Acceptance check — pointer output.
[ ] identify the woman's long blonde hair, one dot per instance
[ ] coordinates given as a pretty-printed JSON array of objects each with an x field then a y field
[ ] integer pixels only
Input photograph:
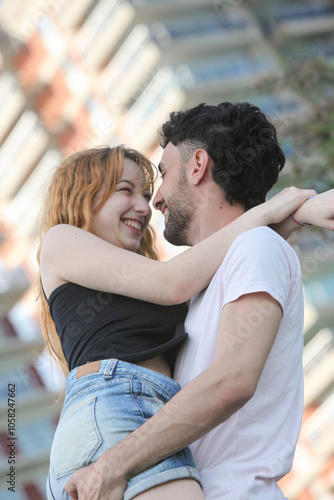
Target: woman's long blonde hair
[{"x": 69, "y": 200}]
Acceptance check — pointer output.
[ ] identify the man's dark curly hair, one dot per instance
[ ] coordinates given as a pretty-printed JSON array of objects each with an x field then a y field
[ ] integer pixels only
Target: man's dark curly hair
[{"x": 241, "y": 142}]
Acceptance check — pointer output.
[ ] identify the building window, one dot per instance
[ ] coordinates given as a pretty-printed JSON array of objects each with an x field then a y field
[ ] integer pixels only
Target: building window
[
  {"x": 317, "y": 348},
  {"x": 19, "y": 495},
  {"x": 20, "y": 151},
  {"x": 203, "y": 23},
  {"x": 35, "y": 438},
  {"x": 239, "y": 65},
  {"x": 95, "y": 24},
  {"x": 321, "y": 423},
  {"x": 23, "y": 210},
  {"x": 298, "y": 11},
  {"x": 320, "y": 292},
  {"x": 12, "y": 101},
  {"x": 24, "y": 379},
  {"x": 311, "y": 47}
]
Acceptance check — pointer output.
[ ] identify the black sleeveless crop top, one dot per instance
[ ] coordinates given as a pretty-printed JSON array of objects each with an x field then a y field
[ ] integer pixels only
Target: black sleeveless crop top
[{"x": 95, "y": 325}]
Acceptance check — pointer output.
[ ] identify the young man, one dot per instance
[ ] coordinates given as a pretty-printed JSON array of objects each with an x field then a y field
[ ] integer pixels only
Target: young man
[{"x": 241, "y": 370}]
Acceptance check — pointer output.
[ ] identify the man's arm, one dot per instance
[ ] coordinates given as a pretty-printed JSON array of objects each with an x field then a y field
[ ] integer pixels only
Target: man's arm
[{"x": 205, "y": 402}]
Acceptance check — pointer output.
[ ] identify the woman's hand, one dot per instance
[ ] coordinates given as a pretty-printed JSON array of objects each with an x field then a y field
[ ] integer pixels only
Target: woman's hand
[
  {"x": 285, "y": 203},
  {"x": 318, "y": 211}
]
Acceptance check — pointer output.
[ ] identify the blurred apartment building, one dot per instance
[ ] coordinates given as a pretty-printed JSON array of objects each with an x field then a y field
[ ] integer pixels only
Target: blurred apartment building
[
  {"x": 79, "y": 74},
  {"x": 28, "y": 414}
]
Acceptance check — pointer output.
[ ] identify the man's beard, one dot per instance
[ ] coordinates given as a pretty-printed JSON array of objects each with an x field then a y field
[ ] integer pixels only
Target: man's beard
[{"x": 180, "y": 208}]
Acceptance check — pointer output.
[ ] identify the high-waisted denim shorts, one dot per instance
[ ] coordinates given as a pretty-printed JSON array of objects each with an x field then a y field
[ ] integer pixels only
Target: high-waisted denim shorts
[{"x": 99, "y": 410}]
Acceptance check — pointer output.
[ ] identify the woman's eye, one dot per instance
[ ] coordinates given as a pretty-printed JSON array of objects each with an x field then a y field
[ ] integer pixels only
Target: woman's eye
[{"x": 125, "y": 189}]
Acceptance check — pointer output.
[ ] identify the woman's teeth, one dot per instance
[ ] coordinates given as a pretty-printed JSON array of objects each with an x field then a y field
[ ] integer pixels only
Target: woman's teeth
[{"x": 134, "y": 224}]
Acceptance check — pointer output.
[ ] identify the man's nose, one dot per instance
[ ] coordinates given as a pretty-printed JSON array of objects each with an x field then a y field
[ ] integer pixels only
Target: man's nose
[{"x": 157, "y": 200}]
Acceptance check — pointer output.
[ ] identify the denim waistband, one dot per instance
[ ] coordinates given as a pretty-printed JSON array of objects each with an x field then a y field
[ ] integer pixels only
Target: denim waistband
[{"x": 113, "y": 368}]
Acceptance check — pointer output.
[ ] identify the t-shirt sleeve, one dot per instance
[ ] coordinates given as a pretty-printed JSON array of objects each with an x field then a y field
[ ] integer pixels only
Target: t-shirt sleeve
[{"x": 258, "y": 261}]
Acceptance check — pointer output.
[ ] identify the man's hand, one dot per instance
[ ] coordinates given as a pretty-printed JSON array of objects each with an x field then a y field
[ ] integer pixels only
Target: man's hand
[{"x": 93, "y": 483}]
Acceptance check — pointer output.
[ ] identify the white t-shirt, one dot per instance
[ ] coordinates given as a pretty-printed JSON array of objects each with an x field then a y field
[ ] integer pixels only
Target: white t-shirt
[{"x": 242, "y": 458}]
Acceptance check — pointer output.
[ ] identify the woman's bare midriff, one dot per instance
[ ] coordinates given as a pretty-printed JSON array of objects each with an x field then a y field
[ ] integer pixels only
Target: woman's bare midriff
[{"x": 158, "y": 364}]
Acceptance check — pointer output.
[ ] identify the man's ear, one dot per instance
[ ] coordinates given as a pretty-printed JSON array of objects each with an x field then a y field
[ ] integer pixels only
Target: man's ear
[{"x": 201, "y": 162}]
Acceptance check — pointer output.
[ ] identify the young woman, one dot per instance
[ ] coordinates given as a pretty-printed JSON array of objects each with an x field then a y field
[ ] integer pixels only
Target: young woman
[{"x": 112, "y": 314}]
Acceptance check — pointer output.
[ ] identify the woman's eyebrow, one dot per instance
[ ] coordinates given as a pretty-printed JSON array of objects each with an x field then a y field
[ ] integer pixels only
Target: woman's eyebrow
[{"x": 128, "y": 182}]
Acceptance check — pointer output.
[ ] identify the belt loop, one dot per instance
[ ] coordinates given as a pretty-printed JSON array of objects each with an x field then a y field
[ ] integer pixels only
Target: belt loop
[{"x": 111, "y": 365}]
